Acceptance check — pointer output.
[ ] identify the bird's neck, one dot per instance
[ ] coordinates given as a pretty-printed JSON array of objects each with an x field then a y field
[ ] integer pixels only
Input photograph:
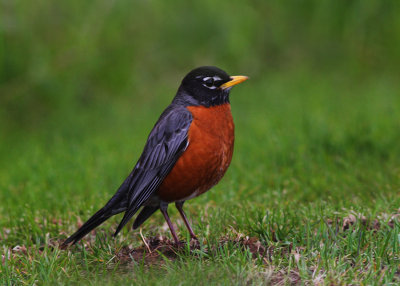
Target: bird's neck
[{"x": 185, "y": 98}]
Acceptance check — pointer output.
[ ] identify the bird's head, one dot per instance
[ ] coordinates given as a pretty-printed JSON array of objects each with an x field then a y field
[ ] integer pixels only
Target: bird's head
[{"x": 207, "y": 86}]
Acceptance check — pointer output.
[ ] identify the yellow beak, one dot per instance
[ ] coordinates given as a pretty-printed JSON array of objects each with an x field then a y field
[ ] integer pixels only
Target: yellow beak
[{"x": 234, "y": 80}]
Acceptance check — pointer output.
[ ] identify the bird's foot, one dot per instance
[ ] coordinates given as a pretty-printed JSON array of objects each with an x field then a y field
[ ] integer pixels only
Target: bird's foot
[{"x": 180, "y": 244}]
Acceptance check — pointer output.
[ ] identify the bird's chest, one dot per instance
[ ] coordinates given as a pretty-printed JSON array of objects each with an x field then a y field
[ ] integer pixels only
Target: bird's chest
[
  {"x": 211, "y": 137},
  {"x": 207, "y": 157}
]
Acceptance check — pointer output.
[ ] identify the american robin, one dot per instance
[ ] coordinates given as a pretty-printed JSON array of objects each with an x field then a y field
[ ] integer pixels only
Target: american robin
[{"x": 187, "y": 152}]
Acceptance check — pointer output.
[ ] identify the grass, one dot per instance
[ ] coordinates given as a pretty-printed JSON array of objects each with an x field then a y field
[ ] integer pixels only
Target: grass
[
  {"x": 312, "y": 194},
  {"x": 314, "y": 183}
]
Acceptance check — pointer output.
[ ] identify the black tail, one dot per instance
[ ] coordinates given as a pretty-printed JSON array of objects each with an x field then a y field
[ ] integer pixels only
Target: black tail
[
  {"x": 97, "y": 219},
  {"x": 115, "y": 205},
  {"x": 144, "y": 215}
]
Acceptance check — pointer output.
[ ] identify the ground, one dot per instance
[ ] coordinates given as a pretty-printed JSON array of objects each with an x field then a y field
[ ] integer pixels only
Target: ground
[{"x": 311, "y": 197}]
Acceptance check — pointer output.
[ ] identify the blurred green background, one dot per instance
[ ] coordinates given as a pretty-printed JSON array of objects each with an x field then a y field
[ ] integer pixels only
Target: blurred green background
[
  {"x": 55, "y": 57},
  {"x": 82, "y": 83},
  {"x": 317, "y": 132}
]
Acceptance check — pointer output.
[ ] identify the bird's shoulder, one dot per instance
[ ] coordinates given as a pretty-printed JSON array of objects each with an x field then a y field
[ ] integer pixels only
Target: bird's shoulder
[
  {"x": 167, "y": 138},
  {"x": 174, "y": 120}
]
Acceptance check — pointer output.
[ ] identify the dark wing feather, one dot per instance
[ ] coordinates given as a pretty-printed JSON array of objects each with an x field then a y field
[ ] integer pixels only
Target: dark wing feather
[
  {"x": 144, "y": 214},
  {"x": 165, "y": 144}
]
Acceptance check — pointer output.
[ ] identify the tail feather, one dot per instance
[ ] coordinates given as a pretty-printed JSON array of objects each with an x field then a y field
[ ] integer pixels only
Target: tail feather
[
  {"x": 127, "y": 216},
  {"x": 115, "y": 205},
  {"x": 145, "y": 213},
  {"x": 97, "y": 219}
]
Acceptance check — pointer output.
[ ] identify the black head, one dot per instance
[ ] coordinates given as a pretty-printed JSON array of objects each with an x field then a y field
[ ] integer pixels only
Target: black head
[{"x": 207, "y": 86}]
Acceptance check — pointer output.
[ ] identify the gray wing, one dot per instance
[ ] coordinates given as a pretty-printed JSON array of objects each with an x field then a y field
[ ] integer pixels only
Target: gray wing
[{"x": 166, "y": 143}]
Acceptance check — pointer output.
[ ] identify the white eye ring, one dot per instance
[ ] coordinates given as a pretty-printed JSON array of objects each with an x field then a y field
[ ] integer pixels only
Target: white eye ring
[
  {"x": 209, "y": 82},
  {"x": 214, "y": 79}
]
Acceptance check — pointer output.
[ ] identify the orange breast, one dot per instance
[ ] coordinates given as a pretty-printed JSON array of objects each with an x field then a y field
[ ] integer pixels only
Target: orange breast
[{"x": 206, "y": 159}]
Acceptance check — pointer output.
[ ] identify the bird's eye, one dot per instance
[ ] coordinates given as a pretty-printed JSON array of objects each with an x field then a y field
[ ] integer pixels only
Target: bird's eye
[{"x": 208, "y": 82}]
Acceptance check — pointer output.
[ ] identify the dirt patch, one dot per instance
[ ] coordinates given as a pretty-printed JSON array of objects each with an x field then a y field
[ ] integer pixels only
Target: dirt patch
[
  {"x": 370, "y": 224},
  {"x": 157, "y": 249},
  {"x": 283, "y": 277}
]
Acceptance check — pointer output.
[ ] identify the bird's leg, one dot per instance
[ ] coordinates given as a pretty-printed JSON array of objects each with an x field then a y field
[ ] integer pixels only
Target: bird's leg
[
  {"x": 179, "y": 206},
  {"x": 163, "y": 208}
]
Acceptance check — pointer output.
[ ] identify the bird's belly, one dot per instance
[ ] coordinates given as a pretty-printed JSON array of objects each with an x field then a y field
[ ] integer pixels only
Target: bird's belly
[{"x": 207, "y": 157}]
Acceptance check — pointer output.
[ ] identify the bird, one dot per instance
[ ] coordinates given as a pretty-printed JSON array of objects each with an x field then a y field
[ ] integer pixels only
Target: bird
[{"x": 187, "y": 152}]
